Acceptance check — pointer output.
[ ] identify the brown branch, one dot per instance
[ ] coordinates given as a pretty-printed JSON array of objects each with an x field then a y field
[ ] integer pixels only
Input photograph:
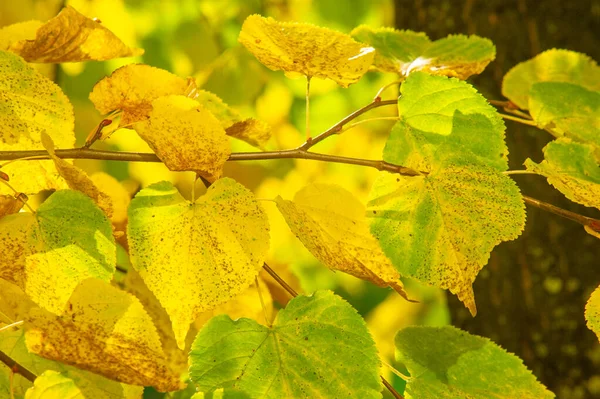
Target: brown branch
[
  {"x": 592, "y": 223},
  {"x": 279, "y": 280},
  {"x": 16, "y": 367},
  {"x": 390, "y": 388}
]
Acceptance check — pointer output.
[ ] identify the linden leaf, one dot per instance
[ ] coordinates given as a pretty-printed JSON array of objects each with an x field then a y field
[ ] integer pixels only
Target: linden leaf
[
  {"x": 298, "y": 48},
  {"x": 592, "y": 312},
  {"x": 572, "y": 169},
  {"x": 331, "y": 224},
  {"x": 440, "y": 227},
  {"x": 567, "y": 109},
  {"x": 29, "y": 105},
  {"x": 68, "y": 37},
  {"x": 404, "y": 51},
  {"x": 118, "y": 195},
  {"x": 9, "y": 205},
  {"x": 106, "y": 331},
  {"x": 92, "y": 386},
  {"x": 550, "y": 66},
  {"x": 185, "y": 136},
  {"x": 48, "y": 253},
  {"x": 77, "y": 179},
  {"x": 18, "y": 32},
  {"x": 132, "y": 88},
  {"x": 318, "y": 347},
  {"x": 448, "y": 363},
  {"x": 52, "y": 384},
  {"x": 195, "y": 256},
  {"x": 250, "y": 130}
]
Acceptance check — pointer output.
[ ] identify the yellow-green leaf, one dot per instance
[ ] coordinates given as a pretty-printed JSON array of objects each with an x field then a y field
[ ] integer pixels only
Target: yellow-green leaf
[
  {"x": 68, "y": 37},
  {"x": 53, "y": 385},
  {"x": 331, "y": 224},
  {"x": 592, "y": 312},
  {"x": 299, "y": 48},
  {"x": 106, "y": 331},
  {"x": 572, "y": 168},
  {"x": 132, "y": 88},
  {"x": 550, "y": 66},
  {"x": 195, "y": 256},
  {"x": 48, "y": 253},
  {"x": 185, "y": 136},
  {"x": 29, "y": 105},
  {"x": 405, "y": 51}
]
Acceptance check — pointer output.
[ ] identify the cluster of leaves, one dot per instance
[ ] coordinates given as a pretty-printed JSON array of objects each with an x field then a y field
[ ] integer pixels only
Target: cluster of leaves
[{"x": 195, "y": 259}]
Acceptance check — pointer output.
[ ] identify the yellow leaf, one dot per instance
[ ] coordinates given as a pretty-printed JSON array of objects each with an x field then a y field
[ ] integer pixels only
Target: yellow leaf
[
  {"x": 196, "y": 256},
  {"x": 185, "y": 136},
  {"x": 298, "y": 48},
  {"x": 77, "y": 179},
  {"x": 106, "y": 331},
  {"x": 17, "y": 32},
  {"x": 132, "y": 89},
  {"x": 247, "y": 304},
  {"x": 9, "y": 205},
  {"x": 14, "y": 303},
  {"x": 29, "y": 105},
  {"x": 331, "y": 223},
  {"x": 119, "y": 197},
  {"x": 69, "y": 37}
]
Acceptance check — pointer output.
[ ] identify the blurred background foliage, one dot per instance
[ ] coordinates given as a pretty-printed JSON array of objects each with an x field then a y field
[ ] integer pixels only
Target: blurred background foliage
[{"x": 199, "y": 38}]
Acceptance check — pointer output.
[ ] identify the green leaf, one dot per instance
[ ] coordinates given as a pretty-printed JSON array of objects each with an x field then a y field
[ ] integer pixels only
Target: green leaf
[
  {"x": 318, "y": 347},
  {"x": 50, "y": 252},
  {"x": 567, "y": 109},
  {"x": 592, "y": 312},
  {"x": 195, "y": 256},
  {"x": 53, "y": 385},
  {"x": 448, "y": 363},
  {"x": 31, "y": 104},
  {"x": 550, "y": 66},
  {"x": 405, "y": 51},
  {"x": 572, "y": 169},
  {"x": 440, "y": 227}
]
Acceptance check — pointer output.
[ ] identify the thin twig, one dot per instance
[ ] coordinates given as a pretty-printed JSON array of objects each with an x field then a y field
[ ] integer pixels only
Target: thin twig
[
  {"x": 279, "y": 280},
  {"x": 11, "y": 325},
  {"x": 380, "y": 91},
  {"x": 16, "y": 367},
  {"x": 592, "y": 223},
  {"x": 519, "y": 172},
  {"x": 520, "y": 120},
  {"x": 390, "y": 388}
]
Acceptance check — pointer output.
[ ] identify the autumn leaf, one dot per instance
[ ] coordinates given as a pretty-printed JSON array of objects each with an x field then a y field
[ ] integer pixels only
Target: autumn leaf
[
  {"x": 106, "y": 331},
  {"x": 29, "y": 105},
  {"x": 331, "y": 224},
  {"x": 52, "y": 384},
  {"x": 68, "y": 37},
  {"x": 298, "y": 48},
  {"x": 318, "y": 347},
  {"x": 572, "y": 168},
  {"x": 196, "y": 256},
  {"x": 119, "y": 197},
  {"x": 592, "y": 312},
  {"x": 9, "y": 205},
  {"x": 132, "y": 89},
  {"x": 550, "y": 66},
  {"x": 445, "y": 362},
  {"x": 77, "y": 179},
  {"x": 48, "y": 253},
  {"x": 405, "y": 51},
  {"x": 185, "y": 136}
]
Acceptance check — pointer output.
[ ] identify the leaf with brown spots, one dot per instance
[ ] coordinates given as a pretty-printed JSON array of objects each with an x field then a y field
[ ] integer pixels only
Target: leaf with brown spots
[
  {"x": 331, "y": 224},
  {"x": 196, "y": 256},
  {"x": 68, "y": 37},
  {"x": 299, "y": 48},
  {"x": 106, "y": 331},
  {"x": 132, "y": 88},
  {"x": 9, "y": 205},
  {"x": 31, "y": 104},
  {"x": 185, "y": 136},
  {"x": 48, "y": 253}
]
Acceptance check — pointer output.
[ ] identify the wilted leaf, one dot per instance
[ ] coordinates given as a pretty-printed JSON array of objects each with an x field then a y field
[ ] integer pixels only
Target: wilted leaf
[
  {"x": 250, "y": 130},
  {"x": 9, "y": 205},
  {"x": 550, "y": 66},
  {"x": 572, "y": 169},
  {"x": 318, "y": 347},
  {"x": 447, "y": 363},
  {"x": 77, "y": 179},
  {"x": 106, "y": 331},
  {"x": 298, "y": 48},
  {"x": 29, "y": 105},
  {"x": 195, "y": 256},
  {"x": 48, "y": 253},
  {"x": 331, "y": 224},
  {"x": 132, "y": 89},
  {"x": 567, "y": 109},
  {"x": 185, "y": 136},
  {"x": 404, "y": 51},
  {"x": 68, "y": 37},
  {"x": 440, "y": 227}
]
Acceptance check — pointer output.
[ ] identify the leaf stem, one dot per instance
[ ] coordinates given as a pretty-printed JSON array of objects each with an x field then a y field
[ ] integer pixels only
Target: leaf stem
[
  {"x": 16, "y": 367},
  {"x": 262, "y": 303},
  {"x": 308, "y": 109},
  {"x": 15, "y": 324},
  {"x": 383, "y": 88},
  {"x": 280, "y": 281},
  {"x": 519, "y": 172},
  {"x": 520, "y": 120},
  {"x": 390, "y": 388},
  {"x": 591, "y": 223}
]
